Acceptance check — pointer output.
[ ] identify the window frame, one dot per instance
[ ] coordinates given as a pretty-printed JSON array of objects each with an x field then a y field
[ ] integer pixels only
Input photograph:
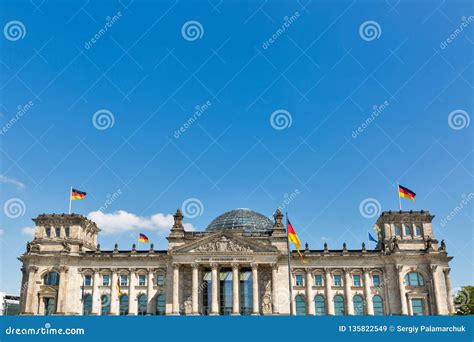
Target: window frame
[
  {"x": 108, "y": 279},
  {"x": 422, "y": 306},
  {"x": 359, "y": 305},
  {"x": 339, "y": 276},
  {"x": 339, "y": 306},
  {"x": 320, "y": 276},
  {"x": 374, "y": 283},
  {"x": 142, "y": 276},
  {"x": 56, "y": 230},
  {"x": 158, "y": 277},
  {"x": 142, "y": 306},
  {"x": 318, "y": 305},
  {"x": 378, "y": 310},
  {"x": 87, "y": 305},
  {"x": 121, "y": 279},
  {"x": 160, "y": 302},
  {"x": 300, "y": 305},
  {"x": 359, "y": 277},
  {"x": 299, "y": 282}
]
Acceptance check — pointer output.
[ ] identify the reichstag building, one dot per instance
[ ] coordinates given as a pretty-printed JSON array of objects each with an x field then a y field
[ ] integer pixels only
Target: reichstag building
[{"x": 237, "y": 266}]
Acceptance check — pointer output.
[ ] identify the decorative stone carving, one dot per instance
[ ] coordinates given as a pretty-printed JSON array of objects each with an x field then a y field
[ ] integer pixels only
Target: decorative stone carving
[
  {"x": 223, "y": 244},
  {"x": 267, "y": 304}
]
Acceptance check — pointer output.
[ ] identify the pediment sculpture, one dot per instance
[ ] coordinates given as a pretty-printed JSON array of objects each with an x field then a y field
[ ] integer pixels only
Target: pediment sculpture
[{"x": 223, "y": 244}]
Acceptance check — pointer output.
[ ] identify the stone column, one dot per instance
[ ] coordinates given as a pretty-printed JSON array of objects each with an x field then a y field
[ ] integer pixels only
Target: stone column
[
  {"x": 401, "y": 285},
  {"x": 436, "y": 289},
  {"x": 215, "y": 284},
  {"x": 367, "y": 293},
  {"x": 235, "y": 289},
  {"x": 195, "y": 287},
  {"x": 255, "y": 310},
  {"x": 62, "y": 290},
  {"x": 328, "y": 292},
  {"x": 347, "y": 292},
  {"x": 95, "y": 293},
  {"x": 309, "y": 293},
  {"x": 274, "y": 289},
  {"x": 149, "y": 292},
  {"x": 132, "y": 297},
  {"x": 31, "y": 295},
  {"x": 114, "y": 310},
  {"x": 175, "y": 289},
  {"x": 447, "y": 279}
]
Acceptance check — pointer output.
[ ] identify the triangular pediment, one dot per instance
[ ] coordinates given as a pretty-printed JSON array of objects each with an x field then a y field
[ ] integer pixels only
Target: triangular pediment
[{"x": 224, "y": 242}]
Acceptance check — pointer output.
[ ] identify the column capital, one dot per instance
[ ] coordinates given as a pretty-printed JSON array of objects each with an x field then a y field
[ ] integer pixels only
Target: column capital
[
  {"x": 176, "y": 265},
  {"x": 235, "y": 266},
  {"x": 447, "y": 270},
  {"x": 32, "y": 269},
  {"x": 274, "y": 267},
  {"x": 347, "y": 270},
  {"x": 214, "y": 266},
  {"x": 63, "y": 269},
  {"x": 327, "y": 270},
  {"x": 254, "y": 266},
  {"x": 195, "y": 265},
  {"x": 151, "y": 270},
  {"x": 399, "y": 268}
]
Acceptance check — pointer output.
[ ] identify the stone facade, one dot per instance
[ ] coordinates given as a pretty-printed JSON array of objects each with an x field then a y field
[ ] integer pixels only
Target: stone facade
[{"x": 65, "y": 272}]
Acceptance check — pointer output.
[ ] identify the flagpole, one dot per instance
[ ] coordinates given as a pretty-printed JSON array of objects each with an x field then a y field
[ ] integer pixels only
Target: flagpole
[
  {"x": 399, "y": 199},
  {"x": 290, "y": 293},
  {"x": 70, "y": 199}
]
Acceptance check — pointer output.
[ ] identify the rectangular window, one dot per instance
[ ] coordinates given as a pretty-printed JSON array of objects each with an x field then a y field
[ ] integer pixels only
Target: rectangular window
[
  {"x": 48, "y": 232},
  {"x": 58, "y": 232},
  {"x": 356, "y": 278},
  {"x": 376, "y": 280},
  {"x": 318, "y": 280},
  {"x": 87, "y": 280},
  {"x": 299, "y": 280},
  {"x": 66, "y": 231},
  {"x": 160, "y": 280},
  {"x": 417, "y": 307},
  {"x": 105, "y": 280},
  {"x": 141, "y": 280},
  {"x": 337, "y": 280},
  {"x": 123, "y": 280}
]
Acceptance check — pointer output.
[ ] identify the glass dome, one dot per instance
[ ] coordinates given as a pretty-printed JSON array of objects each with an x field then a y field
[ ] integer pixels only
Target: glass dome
[{"x": 245, "y": 219}]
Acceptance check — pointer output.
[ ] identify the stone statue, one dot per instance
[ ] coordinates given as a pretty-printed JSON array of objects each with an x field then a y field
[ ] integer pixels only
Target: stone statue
[{"x": 443, "y": 246}]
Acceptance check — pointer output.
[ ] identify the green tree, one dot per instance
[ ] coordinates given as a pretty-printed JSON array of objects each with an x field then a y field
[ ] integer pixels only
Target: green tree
[{"x": 464, "y": 301}]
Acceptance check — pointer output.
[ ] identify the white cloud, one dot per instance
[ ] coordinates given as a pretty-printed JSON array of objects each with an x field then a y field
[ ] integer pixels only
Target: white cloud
[
  {"x": 19, "y": 185},
  {"x": 1, "y": 232},
  {"x": 28, "y": 231},
  {"x": 122, "y": 221}
]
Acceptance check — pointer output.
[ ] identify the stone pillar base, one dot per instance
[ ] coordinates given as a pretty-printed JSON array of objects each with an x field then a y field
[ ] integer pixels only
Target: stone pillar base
[
  {"x": 235, "y": 314},
  {"x": 214, "y": 314}
]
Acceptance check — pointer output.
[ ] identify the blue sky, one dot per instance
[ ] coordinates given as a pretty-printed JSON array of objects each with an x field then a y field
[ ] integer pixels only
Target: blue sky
[{"x": 321, "y": 71}]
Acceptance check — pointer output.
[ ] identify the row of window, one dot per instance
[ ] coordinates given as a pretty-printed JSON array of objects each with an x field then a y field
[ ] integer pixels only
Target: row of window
[
  {"x": 339, "y": 305},
  {"x": 336, "y": 280},
  {"x": 142, "y": 303},
  {"x": 57, "y": 232},
  {"x": 124, "y": 280},
  {"x": 408, "y": 230}
]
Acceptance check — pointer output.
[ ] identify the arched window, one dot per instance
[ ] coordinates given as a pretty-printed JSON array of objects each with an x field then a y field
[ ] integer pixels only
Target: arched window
[
  {"x": 300, "y": 305},
  {"x": 123, "y": 305},
  {"x": 418, "y": 231},
  {"x": 160, "y": 304},
  {"x": 398, "y": 231},
  {"x": 339, "y": 305},
  {"x": 358, "y": 302},
  {"x": 51, "y": 278},
  {"x": 414, "y": 279},
  {"x": 87, "y": 305},
  {"x": 320, "y": 305},
  {"x": 142, "y": 304},
  {"x": 378, "y": 305},
  {"x": 105, "y": 305},
  {"x": 407, "y": 230}
]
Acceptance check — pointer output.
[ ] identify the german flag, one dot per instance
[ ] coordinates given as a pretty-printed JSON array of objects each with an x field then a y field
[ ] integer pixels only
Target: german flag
[
  {"x": 77, "y": 195},
  {"x": 292, "y": 237},
  {"x": 143, "y": 238},
  {"x": 406, "y": 193}
]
